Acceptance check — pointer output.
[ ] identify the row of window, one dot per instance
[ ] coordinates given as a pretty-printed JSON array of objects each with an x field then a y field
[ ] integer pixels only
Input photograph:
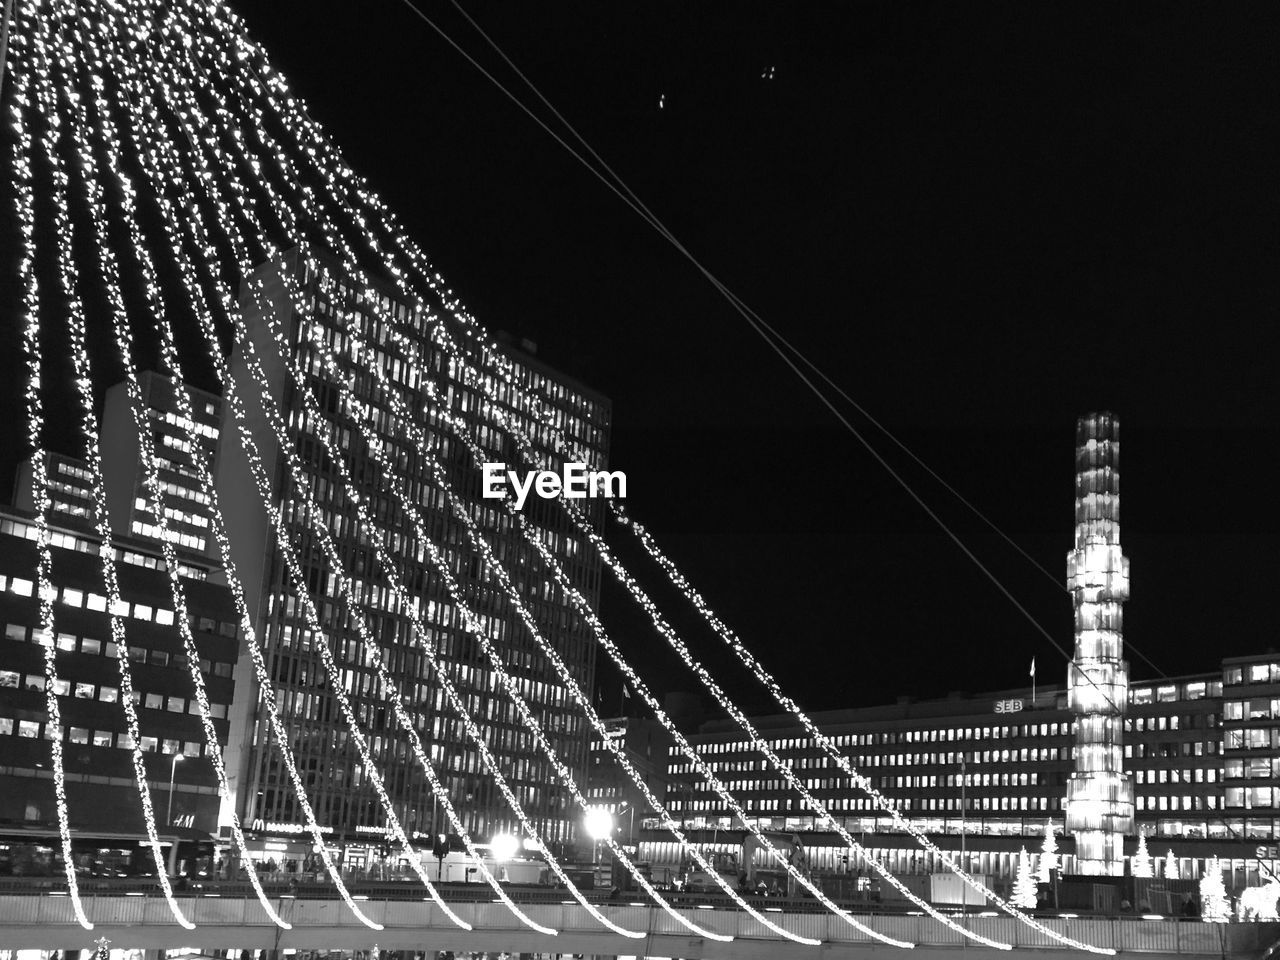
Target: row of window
[
  {"x": 71, "y": 643},
  {"x": 1252, "y": 673},
  {"x": 34, "y": 730},
  {"x": 69, "y": 541},
  {"x": 34, "y": 682},
  {"x": 1265, "y": 708}
]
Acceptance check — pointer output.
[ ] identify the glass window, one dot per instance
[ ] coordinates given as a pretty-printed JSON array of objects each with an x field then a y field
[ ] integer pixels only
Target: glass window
[
  {"x": 6, "y": 726},
  {"x": 79, "y": 735},
  {"x": 84, "y": 691},
  {"x": 67, "y": 641},
  {"x": 148, "y": 744},
  {"x": 154, "y": 702},
  {"x": 176, "y": 705},
  {"x": 102, "y": 738},
  {"x": 90, "y": 645},
  {"x": 108, "y": 694},
  {"x": 171, "y": 746},
  {"x": 15, "y": 631},
  {"x": 8, "y": 678},
  {"x": 28, "y": 729}
]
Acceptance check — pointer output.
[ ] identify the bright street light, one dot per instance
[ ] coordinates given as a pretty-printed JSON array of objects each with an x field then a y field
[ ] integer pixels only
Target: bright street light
[
  {"x": 503, "y": 847},
  {"x": 598, "y": 823}
]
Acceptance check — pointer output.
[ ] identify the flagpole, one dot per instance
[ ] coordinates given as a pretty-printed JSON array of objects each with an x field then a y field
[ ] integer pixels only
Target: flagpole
[{"x": 1033, "y": 681}]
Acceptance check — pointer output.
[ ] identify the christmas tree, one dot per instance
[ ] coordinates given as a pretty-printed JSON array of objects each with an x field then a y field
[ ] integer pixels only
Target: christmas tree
[
  {"x": 1024, "y": 887},
  {"x": 1214, "y": 907},
  {"x": 1048, "y": 853},
  {"x": 100, "y": 949},
  {"x": 1140, "y": 862},
  {"x": 1170, "y": 866}
]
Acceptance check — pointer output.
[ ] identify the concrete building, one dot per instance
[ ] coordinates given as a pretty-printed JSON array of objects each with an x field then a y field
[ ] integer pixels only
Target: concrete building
[{"x": 101, "y": 792}]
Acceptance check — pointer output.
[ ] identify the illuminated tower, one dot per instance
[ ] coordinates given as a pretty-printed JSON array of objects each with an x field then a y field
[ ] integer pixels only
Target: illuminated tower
[{"x": 1099, "y": 794}]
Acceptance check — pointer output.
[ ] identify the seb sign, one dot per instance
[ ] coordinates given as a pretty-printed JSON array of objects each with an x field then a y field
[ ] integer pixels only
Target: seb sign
[{"x": 1008, "y": 706}]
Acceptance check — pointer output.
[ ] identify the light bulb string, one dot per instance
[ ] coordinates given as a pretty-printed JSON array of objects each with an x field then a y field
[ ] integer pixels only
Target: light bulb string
[
  {"x": 110, "y": 272},
  {"x": 24, "y": 209},
  {"x": 285, "y": 216},
  {"x": 142, "y": 134},
  {"x": 68, "y": 276},
  {"x": 438, "y": 789},
  {"x": 480, "y": 380},
  {"x": 768, "y": 845}
]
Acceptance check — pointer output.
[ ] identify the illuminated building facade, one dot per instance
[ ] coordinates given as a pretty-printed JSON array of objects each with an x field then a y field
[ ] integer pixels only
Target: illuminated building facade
[
  {"x": 101, "y": 792},
  {"x": 1099, "y": 794},
  {"x": 133, "y": 513},
  {"x": 339, "y": 788},
  {"x": 1201, "y": 750}
]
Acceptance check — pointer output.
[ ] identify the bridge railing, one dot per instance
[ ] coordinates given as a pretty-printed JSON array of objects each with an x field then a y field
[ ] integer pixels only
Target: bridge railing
[{"x": 1168, "y": 936}]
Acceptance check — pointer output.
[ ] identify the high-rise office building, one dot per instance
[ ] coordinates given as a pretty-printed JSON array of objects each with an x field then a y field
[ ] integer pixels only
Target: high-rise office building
[
  {"x": 338, "y": 785},
  {"x": 1099, "y": 793},
  {"x": 101, "y": 793},
  {"x": 131, "y": 509}
]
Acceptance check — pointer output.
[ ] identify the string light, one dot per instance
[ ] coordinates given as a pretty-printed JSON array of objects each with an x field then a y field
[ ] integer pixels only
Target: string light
[
  {"x": 151, "y": 480},
  {"x": 68, "y": 276},
  {"x": 347, "y": 251},
  {"x": 125, "y": 68},
  {"x": 439, "y": 790},
  {"x": 24, "y": 203},
  {"x": 286, "y": 217},
  {"x": 467, "y": 371},
  {"x": 395, "y": 273}
]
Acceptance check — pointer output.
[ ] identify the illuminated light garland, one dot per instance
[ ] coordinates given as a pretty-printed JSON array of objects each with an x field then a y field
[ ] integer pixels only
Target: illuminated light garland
[
  {"x": 266, "y": 688},
  {"x": 285, "y": 215},
  {"x": 555, "y": 865},
  {"x": 442, "y": 796},
  {"x": 480, "y": 380},
  {"x": 24, "y": 203},
  {"x": 68, "y": 275},
  {"x": 479, "y": 737},
  {"x": 769, "y": 846},
  {"x": 407, "y": 723},
  {"x": 110, "y": 272}
]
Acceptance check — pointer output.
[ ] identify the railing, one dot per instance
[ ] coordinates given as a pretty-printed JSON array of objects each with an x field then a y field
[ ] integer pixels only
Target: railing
[{"x": 1170, "y": 936}]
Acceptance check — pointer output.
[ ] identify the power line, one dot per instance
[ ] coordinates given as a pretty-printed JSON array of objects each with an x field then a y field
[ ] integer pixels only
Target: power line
[{"x": 766, "y": 332}]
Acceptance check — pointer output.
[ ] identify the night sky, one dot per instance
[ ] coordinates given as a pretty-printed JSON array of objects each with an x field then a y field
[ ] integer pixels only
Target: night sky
[{"x": 981, "y": 221}]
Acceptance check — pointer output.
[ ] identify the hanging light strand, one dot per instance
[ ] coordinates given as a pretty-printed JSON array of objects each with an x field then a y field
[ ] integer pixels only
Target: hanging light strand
[
  {"x": 286, "y": 216},
  {"x": 406, "y": 722},
  {"x": 68, "y": 275},
  {"x": 108, "y": 139},
  {"x": 140, "y": 125},
  {"x": 24, "y": 204},
  {"x": 290, "y": 176}
]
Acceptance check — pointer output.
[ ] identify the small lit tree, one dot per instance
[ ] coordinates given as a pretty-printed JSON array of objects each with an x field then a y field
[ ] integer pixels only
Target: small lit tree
[
  {"x": 1171, "y": 871},
  {"x": 1214, "y": 907},
  {"x": 100, "y": 949},
  {"x": 1048, "y": 853},
  {"x": 1024, "y": 886},
  {"x": 1140, "y": 862}
]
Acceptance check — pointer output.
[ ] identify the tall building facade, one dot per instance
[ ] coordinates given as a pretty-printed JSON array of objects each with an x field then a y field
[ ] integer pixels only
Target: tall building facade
[
  {"x": 101, "y": 794},
  {"x": 1099, "y": 793},
  {"x": 338, "y": 786}
]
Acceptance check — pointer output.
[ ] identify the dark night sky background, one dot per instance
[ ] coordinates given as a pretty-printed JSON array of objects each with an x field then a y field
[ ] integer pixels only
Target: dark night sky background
[{"x": 982, "y": 221}]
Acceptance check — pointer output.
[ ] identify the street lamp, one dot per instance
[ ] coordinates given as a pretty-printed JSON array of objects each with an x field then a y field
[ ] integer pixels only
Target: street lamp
[
  {"x": 631, "y": 820},
  {"x": 503, "y": 847},
  {"x": 173, "y": 768},
  {"x": 598, "y": 822}
]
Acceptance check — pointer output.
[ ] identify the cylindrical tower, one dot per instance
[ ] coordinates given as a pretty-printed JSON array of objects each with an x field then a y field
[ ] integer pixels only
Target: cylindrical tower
[{"x": 1099, "y": 794}]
